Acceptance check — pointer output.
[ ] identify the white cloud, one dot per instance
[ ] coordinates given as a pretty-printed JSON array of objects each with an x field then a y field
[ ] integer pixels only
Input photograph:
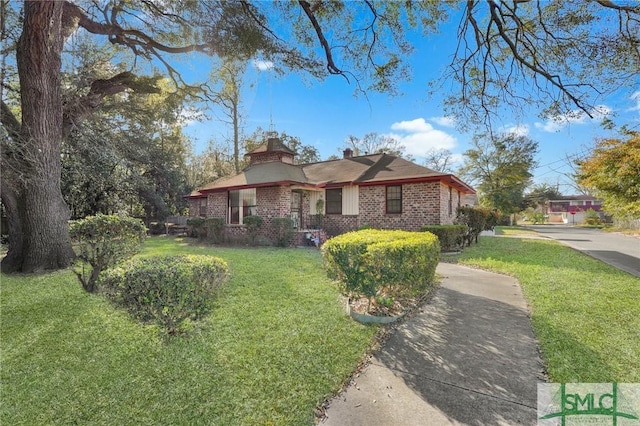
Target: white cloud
[
  {"x": 419, "y": 137},
  {"x": 412, "y": 126},
  {"x": 636, "y": 98},
  {"x": 559, "y": 122},
  {"x": 517, "y": 130},
  {"x": 262, "y": 65},
  {"x": 444, "y": 121}
]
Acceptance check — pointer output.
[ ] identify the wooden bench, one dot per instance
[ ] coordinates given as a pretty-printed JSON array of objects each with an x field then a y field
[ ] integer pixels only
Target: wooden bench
[{"x": 176, "y": 225}]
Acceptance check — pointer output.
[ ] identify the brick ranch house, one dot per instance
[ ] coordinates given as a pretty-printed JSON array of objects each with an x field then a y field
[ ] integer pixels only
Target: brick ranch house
[{"x": 378, "y": 190}]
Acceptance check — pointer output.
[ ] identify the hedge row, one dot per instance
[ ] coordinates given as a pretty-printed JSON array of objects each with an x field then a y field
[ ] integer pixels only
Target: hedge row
[
  {"x": 366, "y": 261},
  {"x": 210, "y": 227},
  {"x": 169, "y": 291},
  {"x": 451, "y": 237}
]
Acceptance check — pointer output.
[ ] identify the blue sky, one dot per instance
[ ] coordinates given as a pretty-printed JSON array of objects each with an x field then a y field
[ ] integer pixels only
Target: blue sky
[{"x": 325, "y": 113}]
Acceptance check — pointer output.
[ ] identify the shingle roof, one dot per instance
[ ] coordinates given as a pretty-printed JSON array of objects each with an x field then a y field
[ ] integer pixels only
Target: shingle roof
[
  {"x": 272, "y": 145},
  {"x": 259, "y": 175},
  {"x": 367, "y": 169}
]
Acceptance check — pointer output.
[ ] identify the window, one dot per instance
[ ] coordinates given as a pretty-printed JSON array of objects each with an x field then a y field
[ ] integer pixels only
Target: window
[
  {"x": 203, "y": 207},
  {"x": 242, "y": 203},
  {"x": 334, "y": 201},
  {"x": 394, "y": 199},
  {"x": 450, "y": 201}
]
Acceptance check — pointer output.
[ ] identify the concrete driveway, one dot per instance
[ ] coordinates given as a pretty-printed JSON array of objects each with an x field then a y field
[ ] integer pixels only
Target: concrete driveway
[{"x": 618, "y": 250}]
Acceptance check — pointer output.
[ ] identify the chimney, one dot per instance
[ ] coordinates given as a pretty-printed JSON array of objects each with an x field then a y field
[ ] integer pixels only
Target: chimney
[{"x": 347, "y": 153}]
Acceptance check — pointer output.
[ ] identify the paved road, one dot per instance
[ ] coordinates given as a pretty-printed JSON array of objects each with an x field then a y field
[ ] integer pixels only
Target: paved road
[{"x": 619, "y": 250}]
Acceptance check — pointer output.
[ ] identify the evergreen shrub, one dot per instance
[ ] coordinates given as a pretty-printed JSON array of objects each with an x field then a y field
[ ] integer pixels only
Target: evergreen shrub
[
  {"x": 450, "y": 236},
  {"x": 103, "y": 241},
  {"x": 366, "y": 261},
  {"x": 167, "y": 290}
]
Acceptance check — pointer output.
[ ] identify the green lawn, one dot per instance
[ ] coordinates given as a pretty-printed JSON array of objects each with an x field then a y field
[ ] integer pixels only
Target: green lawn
[
  {"x": 512, "y": 231},
  {"x": 278, "y": 343},
  {"x": 586, "y": 314}
]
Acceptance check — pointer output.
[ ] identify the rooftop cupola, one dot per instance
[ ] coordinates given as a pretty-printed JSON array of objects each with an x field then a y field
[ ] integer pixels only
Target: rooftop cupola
[{"x": 272, "y": 150}]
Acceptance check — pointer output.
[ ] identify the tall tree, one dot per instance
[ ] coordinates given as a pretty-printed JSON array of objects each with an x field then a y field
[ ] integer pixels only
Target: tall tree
[
  {"x": 539, "y": 195},
  {"x": 227, "y": 97},
  {"x": 559, "y": 57},
  {"x": 501, "y": 168},
  {"x": 440, "y": 160},
  {"x": 571, "y": 52},
  {"x": 613, "y": 171},
  {"x": 215, "y": 162},
  {"x": 374, "y": 143},
  {"x": 148, "y": 30}
]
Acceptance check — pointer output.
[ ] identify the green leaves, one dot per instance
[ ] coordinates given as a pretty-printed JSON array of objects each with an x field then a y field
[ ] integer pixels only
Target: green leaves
[
  {"x": 171, "y": 290},
  {"x": 102, "y": 242},
  {"x": 501, "y": 166},
  {"x": 369, "y": 260},
  {"x": 613, "y": 170}
]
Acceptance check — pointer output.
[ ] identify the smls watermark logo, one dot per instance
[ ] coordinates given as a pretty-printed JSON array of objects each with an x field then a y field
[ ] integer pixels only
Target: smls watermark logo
[{"x": 573, "y": 404}]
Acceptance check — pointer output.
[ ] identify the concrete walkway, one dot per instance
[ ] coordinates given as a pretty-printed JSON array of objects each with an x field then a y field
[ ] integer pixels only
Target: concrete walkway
[{"x": 467, "y": 357}]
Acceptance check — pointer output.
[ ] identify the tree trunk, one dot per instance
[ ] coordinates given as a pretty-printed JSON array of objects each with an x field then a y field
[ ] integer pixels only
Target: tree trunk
[
  {"x": 11, "y": 261},
  {"x": 42, "y": 213}
]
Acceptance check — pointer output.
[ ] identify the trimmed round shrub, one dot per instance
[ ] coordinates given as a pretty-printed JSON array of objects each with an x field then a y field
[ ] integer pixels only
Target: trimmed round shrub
[
  {"x": 167, "y": 290},
  {"x": 103, "y": 241},
  {"x": 366, "y": 261}
]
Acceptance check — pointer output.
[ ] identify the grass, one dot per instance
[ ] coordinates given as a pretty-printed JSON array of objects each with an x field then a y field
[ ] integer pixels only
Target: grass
[
  {"x": 514, "y": 231},
  {"x": 585, "y": 313},
  {"x": 278, "y": 344}
]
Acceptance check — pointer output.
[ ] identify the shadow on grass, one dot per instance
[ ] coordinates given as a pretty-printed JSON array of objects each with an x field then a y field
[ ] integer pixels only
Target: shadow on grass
[{"x": 475, "y": 359}]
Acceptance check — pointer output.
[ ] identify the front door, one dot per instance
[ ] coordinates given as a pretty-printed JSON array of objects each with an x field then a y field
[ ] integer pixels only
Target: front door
[{"x": 296, "y": 208}]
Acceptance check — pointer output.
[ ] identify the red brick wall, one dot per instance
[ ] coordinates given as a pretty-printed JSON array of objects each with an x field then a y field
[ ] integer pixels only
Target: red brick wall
[
  {"x": 218, "y": 205},
  {"x": 272, "y": 202},
  {"x": 445, "y": 217},
  {"x": 268, "y": 157},
  {"x": 421, "y": 205}
]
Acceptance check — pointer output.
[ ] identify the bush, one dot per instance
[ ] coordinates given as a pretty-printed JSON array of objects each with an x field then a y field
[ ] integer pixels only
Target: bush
[
  {"x": 450, "y": 236},
  {"x": 103, "y": 241},
  {"x": 537, "y": 218},
  {"x": 169, "y": 291},
  {"x": 253, "y": 224},
  {"x": 475, "y": 218},
  {"x": 367, "y": 261},
  {"x": 197, "y": 227},
  {"x": 214, "y": 227},
  {"x": 157, "y": 228},
  {"x": 493, "y": 218},
  {"x": 283, "y": 230},
  {"x": 591, "y": 217}
]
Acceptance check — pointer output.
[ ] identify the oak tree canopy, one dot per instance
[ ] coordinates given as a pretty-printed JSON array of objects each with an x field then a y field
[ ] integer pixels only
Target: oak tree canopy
[{"x": 564, "y": 54}]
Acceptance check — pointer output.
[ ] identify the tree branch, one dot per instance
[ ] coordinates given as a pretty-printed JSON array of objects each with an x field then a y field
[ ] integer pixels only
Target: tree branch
[
  {"x": 9, "y": 121},
  {"x": 99, "y": 89},
  {"x": 74, "y": 16},
  {"x": 331, "y": 66}
]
